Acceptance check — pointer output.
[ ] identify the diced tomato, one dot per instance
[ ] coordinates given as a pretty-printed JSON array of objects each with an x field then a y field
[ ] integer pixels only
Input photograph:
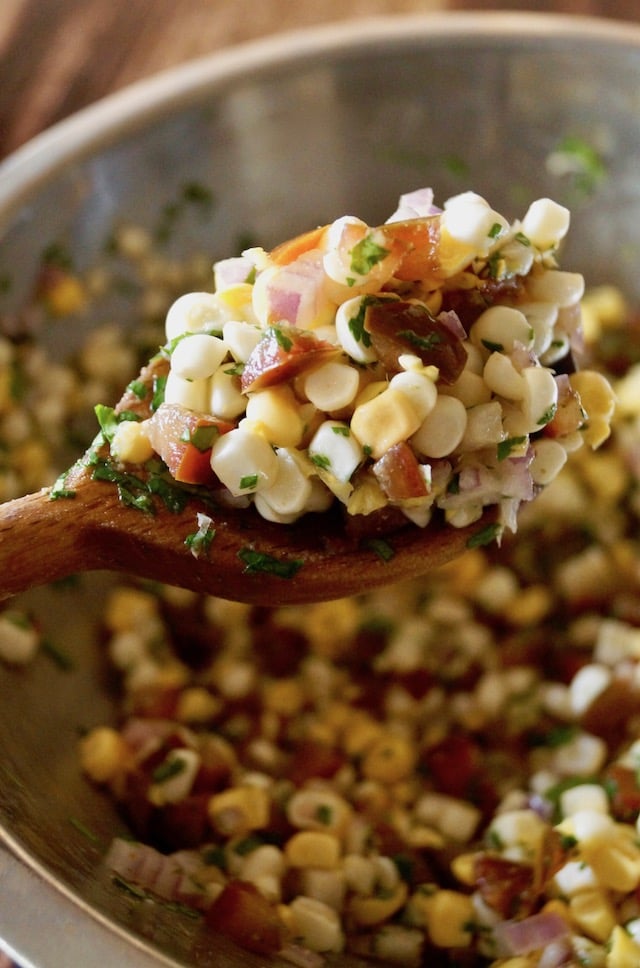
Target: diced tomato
[
  {"x": 624, "y": 788},
  {"x": 242, "y": 913},
  {"x": 420, "y": 238},
  {"x": 506, "y": 886},
  {"x": 289, "y": 251},
  {"x": 398, "y": 473},
  {"x": 283, "y": 353},
  {"x": 397, "y": 327},
  {"x": 184, "y": 439},
  {"x": 314, "y": 760}
]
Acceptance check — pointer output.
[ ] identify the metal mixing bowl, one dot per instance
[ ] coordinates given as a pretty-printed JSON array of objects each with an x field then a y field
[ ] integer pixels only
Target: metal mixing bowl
[{"x": 287, "y": 133}]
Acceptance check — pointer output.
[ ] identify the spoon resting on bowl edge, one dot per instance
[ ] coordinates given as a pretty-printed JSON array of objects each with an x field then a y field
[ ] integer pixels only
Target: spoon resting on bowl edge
[{"x": 356, "y": 407}]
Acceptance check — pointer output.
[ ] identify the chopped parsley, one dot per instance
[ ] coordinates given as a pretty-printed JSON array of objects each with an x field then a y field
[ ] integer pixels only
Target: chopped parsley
[
  {"x": 59, "y": 488},
  {"x": 203, "y": 437},
  {"x": 281, "y": 338},
  {"x": 138, "y": 388},
  {"x": 200, "y": 541},
  {"x": 258, "y": 563},
  {"x": 382, "y": 548},
  {"x": 249, "y": 482},
  {"x": 427, "y": 343},
  {"x": 485, "y": 536},
  {"x": 170, "y": 768},
  {"x": 548, "y": 415},
  {"x": 507, "y": 447},
  {"x": 580, "y": 161},
  {"x": 321, "y": 461},
  {"x": 366, "y": 254},
  {"x": 356, "y": 323},
  {"x": 495, "y": 230},
  {"x": 57, "y": 655},
  {"x": 342, "y": 430}
]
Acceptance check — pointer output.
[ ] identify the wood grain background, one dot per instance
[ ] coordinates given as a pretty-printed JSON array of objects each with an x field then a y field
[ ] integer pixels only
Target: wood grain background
[{"x": 59, "y": 55}]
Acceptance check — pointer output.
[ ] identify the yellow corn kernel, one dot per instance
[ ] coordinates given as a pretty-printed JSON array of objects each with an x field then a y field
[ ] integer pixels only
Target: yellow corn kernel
[
  {"x": 367, "y": 911},
  {"x": 448, "y": 916},
  {"x": 283, "y": 696},
  {"x": 628, "y": 392},
  {"x": 129, "y": 608},
  {"x": 66, "y": 296},
  {"x": 530, "y": 606},
  {"x": 276, "y": 414},
  {"x": 384, "y": 421},
  {"x": 361, "y": 734},
  {"x": 593, "y": 913},
  {"x": 599, "y": 402},
  {"x": 463, "y": 869},
  {"x": 606, "y": 474},
  {"x": 602, "y": 307},
  {"x": 616, "y": 865},
  {"x": 130, "y": 443},
  {"x": 239, "y": 810},
  {"x": 237, "y": 297},
  {"x": 103, "y": 753},
  {"x": 623, "y": 951},
  {"x": 389, "y": 760},
  {"x": 197, "y": 705},
  {"x": 313, "y": 848}
]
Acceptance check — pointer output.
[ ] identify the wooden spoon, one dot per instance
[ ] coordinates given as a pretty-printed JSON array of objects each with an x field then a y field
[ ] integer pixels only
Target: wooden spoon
[{"x": 85, "y": 525}]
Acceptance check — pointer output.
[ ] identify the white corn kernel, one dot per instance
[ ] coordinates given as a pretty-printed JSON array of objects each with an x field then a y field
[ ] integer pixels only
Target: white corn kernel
[
  {"x": 549, "y": 457},
  {"x": 470, "y": 388},
  {"x": 329, "y": 887},
  {"x": 241, "y": 339},
  {"x": 456, "y": 819},
  {"x": 502, "y": 378},
  {"x": 583, "y": 754},
  {"x": 316, "y": 924},
  {"x": 546, "y": 223},
  {"x": 484, "y": 426},
  {"x": 226, "y": 400},
  {"x": 192, "y": 394},
  {"x": 587, "y": 684},
  {"x": 500, "y": 328},
  {"x": 574, "y": 877},
  {"x": 197, "y": 356},
  {"x": 360, "y": 874},
  {"x": 350, "y": 331},
  {"x": 522, "y": 829},
  {"x": 335, "y": 449},
  {"x": 291, "y": 492},
  {"x": 584, "y": 796},
  {"x": 332, "y": 386},
  {"x": 542, "y": 319},
  {"x": 194, "y": 312},
  {"x": 540, "y": 398},
  {"x": 443, "y": 428},
  {"x": 244, "y": 461},
  {"x": 19, "y": 639},
  {"x": 182, "y": 767},
  {"x": 419, "y": 388},
  {"x": 469, "y": 220},
  {"x": 564, "y": 289}
]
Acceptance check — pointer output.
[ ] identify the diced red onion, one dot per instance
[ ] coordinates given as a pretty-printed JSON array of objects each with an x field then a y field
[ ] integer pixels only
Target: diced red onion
[
  {"x": 451, "y": 320},
  {"x": 146, "y": 867},
  {"x": 295, "y": 293},
  {"x": 531, "y": 934},
  {"x": 416, "y": 204},
  {"x": 295, "y": 954},
  {"x": 230, "y": 272}
]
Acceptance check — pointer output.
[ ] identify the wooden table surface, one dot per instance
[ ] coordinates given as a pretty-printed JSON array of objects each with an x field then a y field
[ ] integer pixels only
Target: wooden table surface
[{"x": 59, "y": 55}]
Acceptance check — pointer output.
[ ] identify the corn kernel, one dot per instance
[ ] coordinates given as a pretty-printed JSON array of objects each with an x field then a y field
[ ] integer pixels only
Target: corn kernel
[
  {"x": 623, "y": 951},
  {"x": 367, "y": 911},
  {"x": 313, "y": 848},
  {"x": 239, "y": 810},
  {"x": 384, "y": 421},
  {"x": 103, "y": 753},
  {"x": 389, "y": 759},
  {"x": 598, "y": 400},
  {"x": 317, "y": 925},
  {"x": 593, "y": 913},
  {"x": 448, "y": 919}
]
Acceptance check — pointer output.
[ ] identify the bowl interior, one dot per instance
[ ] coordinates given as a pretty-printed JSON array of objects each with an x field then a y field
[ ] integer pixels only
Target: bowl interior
[{"x": 283, "y": 138}]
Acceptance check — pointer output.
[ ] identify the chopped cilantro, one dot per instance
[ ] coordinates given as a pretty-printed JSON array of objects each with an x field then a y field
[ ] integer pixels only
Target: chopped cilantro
[
  {"x": 159, "y": 385},
  {"x": 428, "y": 342},
  {"x": 57, "y": 655},
  {"x": 109, "y": 419},
  {"x": 84, "y": 830},
  {"x": 200, "y": 541},
  {"x": 492, "y": 347},
  {"x": 382, "y": 548},
  {"x": 576, "y": 158},
  {"x": 321, "y": 461},
  {"x": 548, "y": 415},
  {"x": 258, "y": 563},
  {"x": 170, "y": 768},
  {"x": 356, "y": 323},
  {"x": 249, "y": 482},
  {"x": 522, "y": 239},
  {"x": 506, "y": 447},
  {"x": 485, "y": 536},
  {"x": 138, "y": 388},
  {"x": 202, "y": 438},
  {"x": 495, "y": 230},
  {"x": 366, "y": 254},
  {"x": 324, "y": 814},
  {"x": 60, "y": 489},
  {"x": 247, "y": 845},
  {"x": 283, "y": 341},
  {"x": 341, "y": 430}
]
